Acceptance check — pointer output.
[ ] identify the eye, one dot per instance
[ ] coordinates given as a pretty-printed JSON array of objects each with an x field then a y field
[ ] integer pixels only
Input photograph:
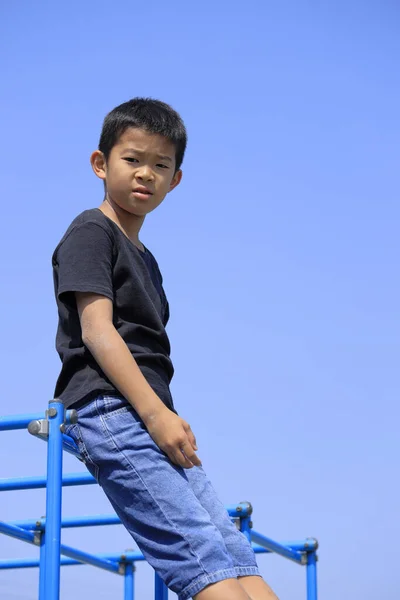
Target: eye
[
  {"x": 162, "y": 166},
  {"x": 130, "y": 159}
]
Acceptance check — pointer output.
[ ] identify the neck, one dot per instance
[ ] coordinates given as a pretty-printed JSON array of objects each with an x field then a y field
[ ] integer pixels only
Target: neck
[{"x": 129, "y": 223}]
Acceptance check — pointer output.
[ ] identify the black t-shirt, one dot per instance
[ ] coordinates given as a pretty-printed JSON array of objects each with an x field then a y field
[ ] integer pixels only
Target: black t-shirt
[{"x": 94, "y": 255}]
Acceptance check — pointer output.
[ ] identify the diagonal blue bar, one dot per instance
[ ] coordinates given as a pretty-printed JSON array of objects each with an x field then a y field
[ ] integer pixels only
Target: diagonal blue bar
[
  {"x": 68, "y": 443},
  {"x": 17, "y": 532},
  {"x": 277, "y": 548},
  {"x": 107, "y": 563},
  {"x": 90, "y": 559},
  {"x": 30, "y": 483}
]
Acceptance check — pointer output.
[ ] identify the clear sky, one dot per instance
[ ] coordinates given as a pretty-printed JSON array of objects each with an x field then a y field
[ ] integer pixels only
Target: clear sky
[{"x": 279, "y": 253}]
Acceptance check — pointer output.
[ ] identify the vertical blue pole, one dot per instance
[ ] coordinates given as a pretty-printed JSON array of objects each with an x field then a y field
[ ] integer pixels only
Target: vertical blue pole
[
  {"x": 55, "y": 415},
  {"x": 42, "y": 573},
  {"x": 312, "y": 576},
  {"x": 160, "y": 589},
  {"x": 245, "y": 527},
  {"x": 129, "y": 581}
]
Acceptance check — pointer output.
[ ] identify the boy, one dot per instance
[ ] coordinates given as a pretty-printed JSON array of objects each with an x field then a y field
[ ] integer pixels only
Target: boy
[{"x": 116, "y": 367}]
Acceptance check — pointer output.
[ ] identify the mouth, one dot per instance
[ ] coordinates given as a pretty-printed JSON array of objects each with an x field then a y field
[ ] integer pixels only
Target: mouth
[{"x": 143, "y": 193}]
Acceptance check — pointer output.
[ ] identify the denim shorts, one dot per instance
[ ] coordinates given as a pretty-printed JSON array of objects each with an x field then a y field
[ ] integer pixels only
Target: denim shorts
[{"x": 173, "y": 514}]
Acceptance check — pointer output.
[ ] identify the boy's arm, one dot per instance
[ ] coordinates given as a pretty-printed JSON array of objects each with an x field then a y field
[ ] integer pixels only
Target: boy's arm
[{"x": 171, "y": 433}]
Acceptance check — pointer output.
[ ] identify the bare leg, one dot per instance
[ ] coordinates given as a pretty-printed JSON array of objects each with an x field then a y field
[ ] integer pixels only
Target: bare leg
[
  {"x": 256, "y": 588},
  {"x": 228, "y": 589}
]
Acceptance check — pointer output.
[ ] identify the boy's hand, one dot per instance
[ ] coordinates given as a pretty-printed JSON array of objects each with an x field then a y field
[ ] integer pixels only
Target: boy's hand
[{"x": 174, "y": 437}]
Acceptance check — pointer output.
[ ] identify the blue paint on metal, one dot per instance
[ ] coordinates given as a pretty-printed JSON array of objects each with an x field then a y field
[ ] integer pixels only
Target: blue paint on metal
[
  {"x": 13, "y": 422},
  {"x": 34, "y": 483},
  {"x": 53, "y": 501},
  {"x": 47, "y": 532},
  {"x": 160, "y": 589},
  {"x": 266, "y": 542},
  {"x": 129, "y": 587},
  {"x": 245, "y": 527},
  {"x": 42, "y": 566},
  {"x": 311, "y": 576}
]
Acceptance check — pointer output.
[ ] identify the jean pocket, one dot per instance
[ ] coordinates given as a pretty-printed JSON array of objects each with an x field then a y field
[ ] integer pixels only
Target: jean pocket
[
  {"x": 74, "y": 432},
  {"x": 110, "y": 406}
]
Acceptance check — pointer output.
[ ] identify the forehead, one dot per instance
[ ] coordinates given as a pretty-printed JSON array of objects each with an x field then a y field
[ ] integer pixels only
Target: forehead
[{"x": 144, "y": 141}]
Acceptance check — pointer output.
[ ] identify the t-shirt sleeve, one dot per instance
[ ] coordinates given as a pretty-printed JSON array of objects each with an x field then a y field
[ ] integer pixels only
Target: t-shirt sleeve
[{"x": 85, "y": 261}]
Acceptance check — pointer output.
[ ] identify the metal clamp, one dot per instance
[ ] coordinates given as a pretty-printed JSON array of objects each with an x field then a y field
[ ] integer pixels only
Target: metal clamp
[
  {"x": 248, "y": 506},
  {"x": 40, "y": 428}
]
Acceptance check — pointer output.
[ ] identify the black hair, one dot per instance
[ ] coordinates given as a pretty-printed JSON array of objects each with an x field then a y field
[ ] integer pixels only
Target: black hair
[{"x": 144, "y": 113}]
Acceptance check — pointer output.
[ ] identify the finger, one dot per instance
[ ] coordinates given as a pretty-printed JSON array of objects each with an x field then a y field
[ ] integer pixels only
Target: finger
[
  {"x": 179, "y": 458},
  {"x": 191, "y": 436},
  {"x": 189, "y": 453}
]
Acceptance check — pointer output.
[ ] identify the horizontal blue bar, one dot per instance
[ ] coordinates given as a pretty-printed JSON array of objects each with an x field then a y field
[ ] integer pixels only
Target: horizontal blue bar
[
  {"x": 30, "y": 483},
  {"x": 113, "y": 559},
  {"x": 275, "y": 547},
  {"x": 26, "y": 563},
  {"x": 85, "y": 521},
  {"x": 13, "y": 422},
  {"x": 242, "y": 509},
  {"x": 307, "y": 545},
  {"x": 29, "y": 563}
]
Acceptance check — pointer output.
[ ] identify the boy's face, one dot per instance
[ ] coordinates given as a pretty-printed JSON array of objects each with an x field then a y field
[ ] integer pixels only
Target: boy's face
[{"x": 140, "y": 171}]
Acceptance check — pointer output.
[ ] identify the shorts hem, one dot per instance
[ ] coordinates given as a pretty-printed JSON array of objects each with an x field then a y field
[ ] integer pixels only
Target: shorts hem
[
  {"x": 207, "y": 579},
  {"x": 247, "y": 571}
]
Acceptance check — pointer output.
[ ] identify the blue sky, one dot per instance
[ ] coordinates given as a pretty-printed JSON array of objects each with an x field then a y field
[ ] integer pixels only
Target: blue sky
[{"x": 279, "y": 253}]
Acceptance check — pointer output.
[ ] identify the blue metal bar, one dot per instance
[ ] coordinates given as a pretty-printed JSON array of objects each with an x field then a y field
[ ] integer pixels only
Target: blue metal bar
[
  {"x": 24, "y": 563},
  {"x": 42, "y": 571},
  {"x": 262, "y": 540},
  {"x": 31, "y": 563},
  {"x": 30, "y": 483},
  {"x": 13, "y": 422},
  {"x": 103, "y": 562},
  {"x": 55, "y": 416},
  {"x": 70, "y": 446},
  {"x": 245, "y": 527},
  {"x": 304, "y": 546},
  {"x": 90, "y": 559},
  {"x": 242, "y": 509},
  {"x": 160, "y": 589},
  {"x": 312, "y": 576},
  {"x": 83, "y": 521},
  {"x": 67, "y": 522},
  {"x": 129, "y": 577},
  {"x": 17, "y": 532},
  {"x": 27, "y": 563},
  {"x": 67, "y": 442}
]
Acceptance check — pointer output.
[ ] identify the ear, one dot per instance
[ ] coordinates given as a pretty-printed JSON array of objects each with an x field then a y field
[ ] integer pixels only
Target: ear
[
  {"x": 177, "y": 178},
  {"x": 99, "y": 165}
]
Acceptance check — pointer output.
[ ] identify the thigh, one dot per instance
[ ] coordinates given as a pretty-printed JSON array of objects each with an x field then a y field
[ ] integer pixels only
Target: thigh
[
  {"x": 152, "y": 497},
  {"x": 236, "y": 542}
]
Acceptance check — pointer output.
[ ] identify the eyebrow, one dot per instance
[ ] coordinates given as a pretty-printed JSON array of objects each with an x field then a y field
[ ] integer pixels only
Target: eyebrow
[{"x": 161, "y": 156}]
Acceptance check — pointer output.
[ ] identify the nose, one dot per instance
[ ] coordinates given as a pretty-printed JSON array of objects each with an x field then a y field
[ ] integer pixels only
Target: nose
[{"x": 145, "y": 173}]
